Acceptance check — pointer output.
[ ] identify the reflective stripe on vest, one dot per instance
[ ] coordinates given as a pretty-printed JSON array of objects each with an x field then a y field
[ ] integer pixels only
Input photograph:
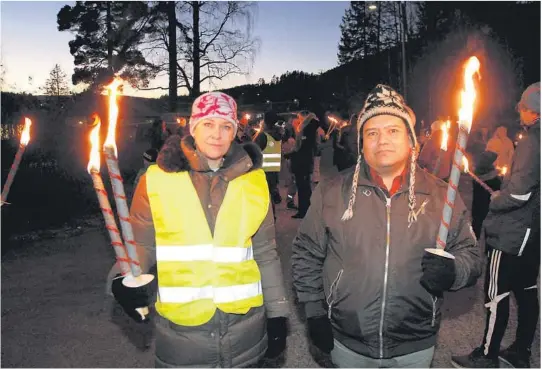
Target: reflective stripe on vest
[
  {"x": 199, "y": 273},
  {"x": 271, "y": 154}
]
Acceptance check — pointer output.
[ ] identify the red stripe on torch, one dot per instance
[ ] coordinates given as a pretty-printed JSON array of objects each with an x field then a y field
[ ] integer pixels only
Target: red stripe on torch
[
  {"x": 110, "y": 223},
  {"x": 122, "y": 209}
]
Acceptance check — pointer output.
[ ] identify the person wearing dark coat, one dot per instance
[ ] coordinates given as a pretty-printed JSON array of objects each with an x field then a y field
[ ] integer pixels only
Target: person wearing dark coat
[
  {"x": 512, "y": 237},
  {"x": 302, "y": 159},
  {"x": 372, "y": 294}
]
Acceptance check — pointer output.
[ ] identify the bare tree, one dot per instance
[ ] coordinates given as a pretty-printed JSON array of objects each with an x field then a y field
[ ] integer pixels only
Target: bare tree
[
  {"x": 57, "y": 83},
  {"x": 215, "y": 41}
]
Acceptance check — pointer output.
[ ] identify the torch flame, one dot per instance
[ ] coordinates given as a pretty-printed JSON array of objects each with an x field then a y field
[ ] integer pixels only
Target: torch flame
[
  {"x": 465, "y": 164},
  {"x": 94, "y": 160},
  {"x": 504, "y": 170},
  {"x": 468, "y": 95},
  {"x": 25, "y": 135},
  {"x": 113, "y": 113},
  {"x": 444, "y": 142}
]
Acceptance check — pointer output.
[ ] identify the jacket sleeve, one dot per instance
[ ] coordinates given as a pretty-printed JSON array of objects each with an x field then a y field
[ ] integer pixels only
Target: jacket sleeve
[
  {"x": 143, "y": 228},
  {"x": 309, "y": 251},
  {"x": 461, "y": 243},
  {"x": 524, "y": 178},
  {"x": 267, "y": 258}
]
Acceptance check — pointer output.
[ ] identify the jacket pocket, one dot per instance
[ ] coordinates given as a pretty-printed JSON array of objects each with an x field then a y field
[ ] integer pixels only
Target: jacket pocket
[{"x": 333, "y": 292}]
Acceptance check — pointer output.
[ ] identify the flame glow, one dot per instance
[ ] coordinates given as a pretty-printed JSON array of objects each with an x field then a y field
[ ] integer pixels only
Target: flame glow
[
  {"x": 444, "y": 142},
  {"x": 503, "y": 170},
  {"x": 113, "y": 113},
  {"x": 468, "y": 95},
  {"x": 94, "y": 137},
  {"x": 465, "y": 164},
  {"x": 25, "y": 135}
]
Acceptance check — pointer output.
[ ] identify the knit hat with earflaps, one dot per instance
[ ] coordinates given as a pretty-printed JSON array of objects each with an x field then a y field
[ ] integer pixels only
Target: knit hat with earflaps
[{"x": 383, "y": 100}]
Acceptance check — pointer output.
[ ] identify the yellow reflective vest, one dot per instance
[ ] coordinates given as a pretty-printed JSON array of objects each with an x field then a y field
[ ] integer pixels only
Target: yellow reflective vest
[
  {"x": 198, "y": 272},
  {"x": 271, "y": 155}
]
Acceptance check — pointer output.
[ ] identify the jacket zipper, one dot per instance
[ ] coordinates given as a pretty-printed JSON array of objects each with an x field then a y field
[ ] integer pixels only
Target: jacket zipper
[
  {"x": 332, "y": 290},
  {"x": 386, "y": 267},
  {"x": 434, "y": 298}
]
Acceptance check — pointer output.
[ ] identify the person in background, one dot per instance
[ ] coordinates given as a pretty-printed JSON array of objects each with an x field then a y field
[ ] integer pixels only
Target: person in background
[
  {"x": 344, "y": 146},
  {"x": 487, "y": 166},
  {"x": 202, "y": 214},
  {"x": 288, "y": 147},
  {"x": 434, "y": 160},
  {"x": 512, "y": 237},
  {"x": 269, "y": 140},
  {"x": 320, "y": 141},
  {"x": 149, "y": 158},
  {"x": 372, "y": 294},
  {"x": 302, "y": 159}
]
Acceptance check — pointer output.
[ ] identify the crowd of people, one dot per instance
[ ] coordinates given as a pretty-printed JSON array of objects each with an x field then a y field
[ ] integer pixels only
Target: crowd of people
[{"x": 204, "y": 214}]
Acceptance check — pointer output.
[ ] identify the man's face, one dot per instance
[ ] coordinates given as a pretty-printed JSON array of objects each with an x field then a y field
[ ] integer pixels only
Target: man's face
[
  {"x": 213, "y": 137},
  {"x": 386, "y": 143},
  {"x": 527, "y": 117}
]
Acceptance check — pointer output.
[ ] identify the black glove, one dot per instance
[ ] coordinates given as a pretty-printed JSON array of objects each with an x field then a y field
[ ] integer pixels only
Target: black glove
[
  {"x": 320, "y": 333},
  {"x": 438, "y": 273},
  {"x": 276, "y": 336},
  {"x": 131, "y": 299}
]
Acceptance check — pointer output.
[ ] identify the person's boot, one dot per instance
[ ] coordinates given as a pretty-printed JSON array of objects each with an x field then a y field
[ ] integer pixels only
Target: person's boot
[
  {"x": 515, "y": 357},
  {"x": 476, "y": 359},
  {"x": 277, "y": 199}
]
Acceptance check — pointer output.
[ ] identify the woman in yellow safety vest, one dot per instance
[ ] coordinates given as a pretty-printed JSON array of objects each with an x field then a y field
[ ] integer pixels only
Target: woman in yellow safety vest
[{"x": 203, "y": 215}]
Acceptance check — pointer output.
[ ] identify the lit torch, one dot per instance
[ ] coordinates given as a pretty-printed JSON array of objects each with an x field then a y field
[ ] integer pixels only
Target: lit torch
[
  {"x": 93, "y": 169},
  {"x": 335, "y": 124},
  {"x": 475, "y": 177},
  {"x": 468, "y": 97},
  {"x": 444, "y": 127},
  {"x": 25, "y": 138},
  {"x": 136, "y": 279}
]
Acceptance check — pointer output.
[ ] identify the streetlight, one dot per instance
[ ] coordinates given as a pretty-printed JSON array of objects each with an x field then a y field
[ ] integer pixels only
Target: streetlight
[{"x": 372, "y": 7}]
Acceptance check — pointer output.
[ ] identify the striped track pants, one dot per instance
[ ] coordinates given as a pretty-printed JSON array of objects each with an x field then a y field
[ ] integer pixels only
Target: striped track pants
[{"x": 507, "y": 273}]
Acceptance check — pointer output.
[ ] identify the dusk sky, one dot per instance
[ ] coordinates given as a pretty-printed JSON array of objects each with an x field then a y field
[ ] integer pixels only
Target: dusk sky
[{"x": 294, "y": 36}]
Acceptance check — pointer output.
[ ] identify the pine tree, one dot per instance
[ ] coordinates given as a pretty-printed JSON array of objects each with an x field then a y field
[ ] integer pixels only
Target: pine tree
[
  {"x": 107, "y": 36},
  {"x": 57, "y": 83}
]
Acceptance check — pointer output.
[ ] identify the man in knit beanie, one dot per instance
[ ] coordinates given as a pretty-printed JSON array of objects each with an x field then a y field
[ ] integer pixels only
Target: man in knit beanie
[{"x": 372, "y": 294}]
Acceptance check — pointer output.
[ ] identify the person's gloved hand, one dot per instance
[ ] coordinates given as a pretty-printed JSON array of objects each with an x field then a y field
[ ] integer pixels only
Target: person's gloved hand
[
  {"x": 438, "y": 273},
  {"x": 276, "y": 336},
  {"x": 320, "y": 333},
  {"x": 131, "y": 299}
]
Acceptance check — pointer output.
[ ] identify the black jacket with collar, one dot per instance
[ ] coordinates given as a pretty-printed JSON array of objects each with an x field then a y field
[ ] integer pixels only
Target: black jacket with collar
[
  {"x": 513, "y": 221},
  {"x": 368, "y": 268}
]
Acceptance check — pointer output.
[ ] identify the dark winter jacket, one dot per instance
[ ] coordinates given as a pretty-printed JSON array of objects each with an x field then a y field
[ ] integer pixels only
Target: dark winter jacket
[
  {"x": 513, "y": 220},
  {"x": 368, "y": 268},
  {"x": 227, "y": 340}
]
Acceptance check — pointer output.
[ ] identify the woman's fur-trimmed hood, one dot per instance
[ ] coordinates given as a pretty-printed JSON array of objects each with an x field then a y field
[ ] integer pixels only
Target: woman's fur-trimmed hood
[{"x": 180, "y": 154}]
